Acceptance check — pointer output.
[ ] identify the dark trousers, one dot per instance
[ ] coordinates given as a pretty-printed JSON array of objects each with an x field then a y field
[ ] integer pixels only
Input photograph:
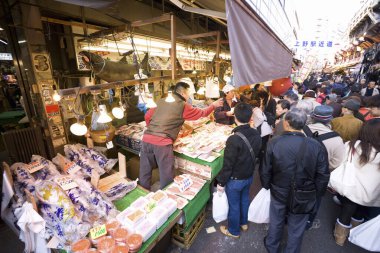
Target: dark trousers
[
  {"x": 238, "y": 203},
  {"x": 314, "y": 213},
  {"x": 296, "y": 228},
  {"x": 152, "y": 156},
  {"x": 350, "y": 209}
]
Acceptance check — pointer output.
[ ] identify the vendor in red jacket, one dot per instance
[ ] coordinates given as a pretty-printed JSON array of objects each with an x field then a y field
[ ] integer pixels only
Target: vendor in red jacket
[{"x": 163, "y": 125}]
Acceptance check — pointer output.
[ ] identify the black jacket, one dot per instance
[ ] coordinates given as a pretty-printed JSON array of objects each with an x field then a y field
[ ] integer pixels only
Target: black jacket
[
  {"x": 237, "y": 161},
  {"x": 280, "y": 164}
]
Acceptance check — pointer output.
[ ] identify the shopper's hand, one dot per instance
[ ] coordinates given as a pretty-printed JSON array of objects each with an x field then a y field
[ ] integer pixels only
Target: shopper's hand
[
  {"x": 218, "y": 103},
  {"x": 220, "y": 189}
]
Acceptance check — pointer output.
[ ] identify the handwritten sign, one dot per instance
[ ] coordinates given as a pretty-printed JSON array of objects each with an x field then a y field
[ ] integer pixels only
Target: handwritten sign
[
  {"x": 71, "y": 168},
  {"x": 66, "y": 183},
  {"x": 97, "y": 232},
  {"x": 34, "y": 166}
]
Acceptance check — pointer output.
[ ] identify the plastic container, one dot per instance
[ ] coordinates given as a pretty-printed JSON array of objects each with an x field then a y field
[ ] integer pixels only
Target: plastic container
[
  {"x": 146, "y": 229},
  {"x": 158, "y": 216},
  {"x": 106, "y": 245},
  {"x": 81, "y": 246},
  {"x": 170, "y": 205},
  {"x": 92, "y": 250},
  {"x": 140, "y": 203},
  {"x": 95, "y": 241},
  {"x": 134, "y": 218},
  {"x": 120, "y": 235},
  {"x": 158, "y": 196},
  {"x": 121, "y": 249},
  {"x": 112, "y": 226},
  {"x": 134, "y": 242}
]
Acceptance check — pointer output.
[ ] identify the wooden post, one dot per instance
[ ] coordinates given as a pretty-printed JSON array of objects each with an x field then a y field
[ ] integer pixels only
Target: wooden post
[
  {"x": 173, "y": 52},
  {"x": 217, "y": 66}
]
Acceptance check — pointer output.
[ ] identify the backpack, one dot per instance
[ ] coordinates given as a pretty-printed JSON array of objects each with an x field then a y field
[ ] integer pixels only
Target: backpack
[
  {"x": 320, "y": 138},
  {"x": 271, "y": 119}
]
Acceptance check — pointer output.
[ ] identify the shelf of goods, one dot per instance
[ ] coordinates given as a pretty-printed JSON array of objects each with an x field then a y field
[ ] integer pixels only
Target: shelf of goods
[{"x": 68, "y": 205}]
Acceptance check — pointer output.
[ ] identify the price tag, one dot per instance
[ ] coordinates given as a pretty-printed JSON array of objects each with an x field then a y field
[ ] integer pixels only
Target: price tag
[
  {"x": 95, "y": 178},
  {"x": 97, "y": 232},
  {"x": 66, "y": 183},
  {"x": 71, "y": 168},
  {"x": 90, "y": 143},
  {"x": 109, "y": 145},
  {"x": 34, "y": 166}
]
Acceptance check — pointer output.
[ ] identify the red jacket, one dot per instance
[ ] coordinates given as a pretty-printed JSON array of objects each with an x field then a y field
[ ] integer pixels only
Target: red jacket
[{"x": 189, "y": 113}]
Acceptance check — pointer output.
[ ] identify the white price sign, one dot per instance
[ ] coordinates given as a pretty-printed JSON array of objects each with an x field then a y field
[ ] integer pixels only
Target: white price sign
[
  {"x": 66, "y": 183},
  {"x": 71, "y": 168},
  {"x": 34, "y": 166}
]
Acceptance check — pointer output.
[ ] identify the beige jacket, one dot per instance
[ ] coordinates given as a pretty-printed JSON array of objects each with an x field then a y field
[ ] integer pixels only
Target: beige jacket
[{"x": 335, "y": 146}]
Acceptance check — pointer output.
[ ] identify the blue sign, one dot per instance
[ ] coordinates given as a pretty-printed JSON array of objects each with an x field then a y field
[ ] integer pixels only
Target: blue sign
[{"x": 313, "y": 43}]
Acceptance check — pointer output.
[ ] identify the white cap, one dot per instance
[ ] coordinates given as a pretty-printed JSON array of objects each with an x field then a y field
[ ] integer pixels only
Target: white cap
[{"x": 228, "y": 88}]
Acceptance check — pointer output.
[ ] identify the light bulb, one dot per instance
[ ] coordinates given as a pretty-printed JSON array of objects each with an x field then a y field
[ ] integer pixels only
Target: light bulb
[
  {"x": 103, "y": 117},
  {"x": 150, "y": 103},
  {"x": 170, "y": 98},
  {"x": 78, "y": 128},
  {"x": 118, "y": 112},
  {"x": 56, "y": 96},
  {"x": 194, "y": 71}
]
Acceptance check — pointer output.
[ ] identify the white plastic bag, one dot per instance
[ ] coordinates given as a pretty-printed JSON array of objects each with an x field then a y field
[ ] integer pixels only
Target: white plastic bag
[
  {"x": 367, "y": 235},
  {"x": 343, "y": 179},
  {"x": 258, "y": 211},
  {"x": 219, "y": 207}
]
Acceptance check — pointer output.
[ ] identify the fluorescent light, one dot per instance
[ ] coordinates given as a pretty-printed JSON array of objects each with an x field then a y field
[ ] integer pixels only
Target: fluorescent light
[
  {"x": 1, "y": 29},
  {"x": 4, "y": 42},
  {"x": 21, "y": 41}
]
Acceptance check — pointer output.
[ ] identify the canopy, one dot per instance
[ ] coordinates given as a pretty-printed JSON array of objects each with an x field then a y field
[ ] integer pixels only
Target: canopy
[{"x": 257, "y": 54}]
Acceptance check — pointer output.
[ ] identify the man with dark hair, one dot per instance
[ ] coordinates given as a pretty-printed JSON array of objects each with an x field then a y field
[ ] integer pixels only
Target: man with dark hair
[
  {"x": 283, "y": 106},
  {"x": 348, "y": 125},
  {"x": 373, "y": 103},
  {"x": 370, "y": 90},
  {"x": 292, "y": 162},
  {"x": 236, "y": 175},
  {"x": 163, "y": 125},
  {"x": 331, "y": 100},
  {"x": 291, "y": 97}
]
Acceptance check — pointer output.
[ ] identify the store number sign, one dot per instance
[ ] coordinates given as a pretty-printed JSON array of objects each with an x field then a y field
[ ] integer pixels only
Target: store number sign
[
  {"x": 99, "y": 231},
  {"x": 66, "y": 183}
]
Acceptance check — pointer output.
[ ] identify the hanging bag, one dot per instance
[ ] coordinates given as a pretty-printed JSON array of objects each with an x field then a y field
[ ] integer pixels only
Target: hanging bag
[
  {"x": 367, "y": 235},
  {"x": 219, "y": 207},
  {"x": 258, "y": 211},
  {"x": 343, "y": 178},
  {"x": 301, "y": 201}
]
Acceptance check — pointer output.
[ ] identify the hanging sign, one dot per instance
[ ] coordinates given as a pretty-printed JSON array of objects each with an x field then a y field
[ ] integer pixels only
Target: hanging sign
[{"x": 313, "y": 43}]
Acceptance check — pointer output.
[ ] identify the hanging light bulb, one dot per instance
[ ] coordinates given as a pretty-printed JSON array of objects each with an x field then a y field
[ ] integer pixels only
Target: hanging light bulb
[
  {"x": 118, "y": 112},
  {"x": 78, "y": 128},
  {"x": 194, "y": 71},
  {"x": 170, "y": 98},
  {"x": 103, "y": 117},
  {"x": 56, "y": 96}
]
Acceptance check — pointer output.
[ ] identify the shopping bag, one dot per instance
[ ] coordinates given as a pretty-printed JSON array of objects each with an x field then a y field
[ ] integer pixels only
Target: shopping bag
[
  {"x": 367, "y": 235},
  {"x": 258, "y": 211},
  {"x": 219, "y": 207},
  {"x": 343, "y": 178}
]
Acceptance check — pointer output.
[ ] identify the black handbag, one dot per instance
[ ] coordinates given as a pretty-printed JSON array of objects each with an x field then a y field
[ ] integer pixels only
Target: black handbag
[{"x": 301, "y": 201}]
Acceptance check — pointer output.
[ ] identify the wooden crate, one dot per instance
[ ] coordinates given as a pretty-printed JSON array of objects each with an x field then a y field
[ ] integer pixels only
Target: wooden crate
[{"x": 185, "y": 238}]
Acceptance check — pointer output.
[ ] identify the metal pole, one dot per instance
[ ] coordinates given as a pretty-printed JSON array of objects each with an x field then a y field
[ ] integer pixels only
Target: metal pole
[{"x": 173, "y": 51}]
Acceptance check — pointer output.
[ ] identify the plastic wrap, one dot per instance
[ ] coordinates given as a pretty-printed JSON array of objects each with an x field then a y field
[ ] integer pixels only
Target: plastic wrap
[
  {"x": 23, "y": 180},
  {"x": 120, "y": 190},
  {"x": 59, "y": 213},
  {"x": 98, "y": 157},
  {"x": 49, "y": 170}
]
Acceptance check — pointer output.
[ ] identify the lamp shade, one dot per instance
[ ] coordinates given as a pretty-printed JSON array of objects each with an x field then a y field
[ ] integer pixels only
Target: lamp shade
[
  {"x": 118, "y": 112},
  {"x": 103, "y": 117}
]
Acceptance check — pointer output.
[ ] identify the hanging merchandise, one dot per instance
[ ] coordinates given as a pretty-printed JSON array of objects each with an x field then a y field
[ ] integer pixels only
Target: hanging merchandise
[{"x": 212, "y": 87}]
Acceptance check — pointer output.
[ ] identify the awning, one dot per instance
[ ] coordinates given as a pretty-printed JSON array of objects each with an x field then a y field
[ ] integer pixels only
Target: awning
[{"x": 257, "y": 54}]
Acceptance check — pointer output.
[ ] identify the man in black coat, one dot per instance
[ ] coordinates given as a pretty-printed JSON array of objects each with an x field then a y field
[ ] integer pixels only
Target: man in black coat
[
  {"x": 236, "y": 175},
  {"x": 277, "y": 173}
]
